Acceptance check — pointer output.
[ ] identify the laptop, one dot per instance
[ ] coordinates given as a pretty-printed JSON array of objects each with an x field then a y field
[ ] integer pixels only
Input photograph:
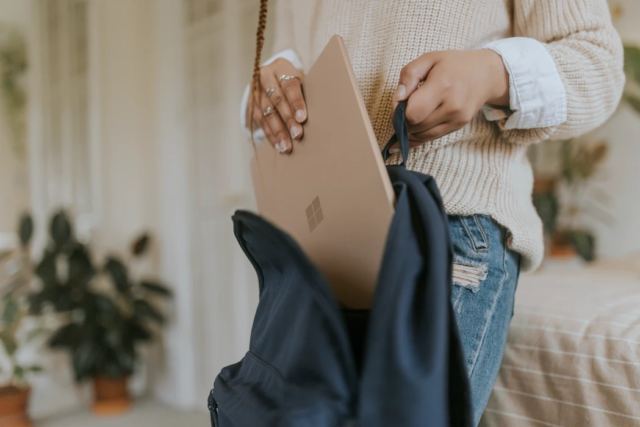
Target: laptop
[{"x": 332, "y": 194}]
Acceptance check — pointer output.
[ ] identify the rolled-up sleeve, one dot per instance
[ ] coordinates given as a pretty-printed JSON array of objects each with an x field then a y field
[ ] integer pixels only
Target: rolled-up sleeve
[
  {"x": 580, "y": 39},
  {"x": 537, "y": 97}
]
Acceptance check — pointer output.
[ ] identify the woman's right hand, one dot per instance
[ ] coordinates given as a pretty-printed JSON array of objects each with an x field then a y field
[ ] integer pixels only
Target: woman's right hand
[{"x": 284, "y": 105}]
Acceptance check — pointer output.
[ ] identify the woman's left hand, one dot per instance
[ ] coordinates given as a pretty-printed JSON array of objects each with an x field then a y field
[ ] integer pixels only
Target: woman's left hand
[{"x": 457, "y": 83}]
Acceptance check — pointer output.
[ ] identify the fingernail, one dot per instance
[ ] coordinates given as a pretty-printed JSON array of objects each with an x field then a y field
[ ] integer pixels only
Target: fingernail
[
  {"x": 400, "y": 92},
  {"x": 277, "y": 147},
  {"x": 295, "y": 131},
  {"x": 300, "y": 115},
  {"x": 283, "y": 145},
  {"x": 394, "y": 150}
]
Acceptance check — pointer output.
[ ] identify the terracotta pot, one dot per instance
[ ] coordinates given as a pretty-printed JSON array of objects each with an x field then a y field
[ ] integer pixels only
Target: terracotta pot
[
  {"x": 560, "y": 248},
  {"x": 14, "y": 404},
  {"x": 543, "y": 185},
  {"x": 111, "y": 395}
]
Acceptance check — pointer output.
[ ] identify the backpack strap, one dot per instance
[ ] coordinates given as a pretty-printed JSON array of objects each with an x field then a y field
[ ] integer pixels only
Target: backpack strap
[
  {"x": 213, "y": 409},
  {"x": 401, "y": 135}
]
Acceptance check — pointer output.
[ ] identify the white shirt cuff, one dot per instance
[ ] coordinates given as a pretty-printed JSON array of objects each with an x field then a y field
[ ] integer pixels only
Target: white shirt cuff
[
  {"x": 537, "y": 95},
  {"x": 291, "y": 56}
]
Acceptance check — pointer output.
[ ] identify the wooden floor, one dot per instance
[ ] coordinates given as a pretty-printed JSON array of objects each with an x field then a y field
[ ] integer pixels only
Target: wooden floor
[{"x": 145, "y": 414}]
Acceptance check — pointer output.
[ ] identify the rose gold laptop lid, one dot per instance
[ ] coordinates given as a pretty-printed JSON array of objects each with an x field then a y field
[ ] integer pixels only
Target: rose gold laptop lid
[{"x": 332, "y": 193}]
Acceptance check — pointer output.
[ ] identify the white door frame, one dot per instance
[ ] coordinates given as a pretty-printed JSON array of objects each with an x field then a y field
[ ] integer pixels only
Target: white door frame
[
  {"x": 176, "y": 386},
  {"x": 214, "y": 313}
]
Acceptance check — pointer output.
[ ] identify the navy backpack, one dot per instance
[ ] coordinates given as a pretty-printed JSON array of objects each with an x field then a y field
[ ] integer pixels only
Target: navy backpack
[{"x": 312, "y": 364}]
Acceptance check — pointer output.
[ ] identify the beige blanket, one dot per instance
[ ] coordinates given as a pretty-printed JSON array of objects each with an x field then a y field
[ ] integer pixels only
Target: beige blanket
[{"x": 573, "y": 353}]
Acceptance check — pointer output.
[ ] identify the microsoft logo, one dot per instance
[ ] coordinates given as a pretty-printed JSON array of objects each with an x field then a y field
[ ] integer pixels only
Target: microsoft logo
[{"x": 314, "y": 214}]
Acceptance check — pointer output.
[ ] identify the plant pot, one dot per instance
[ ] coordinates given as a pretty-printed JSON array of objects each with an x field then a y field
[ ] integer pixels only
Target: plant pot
[
  {"x": 14, "y": 404},
  {"x": 545, "y": 185},
  {"x": 560, "y": 248},
  {"x": 111, "y": 395}
]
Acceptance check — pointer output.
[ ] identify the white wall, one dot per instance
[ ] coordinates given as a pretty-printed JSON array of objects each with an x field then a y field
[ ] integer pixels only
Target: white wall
[{"x": 129, "y": 190}]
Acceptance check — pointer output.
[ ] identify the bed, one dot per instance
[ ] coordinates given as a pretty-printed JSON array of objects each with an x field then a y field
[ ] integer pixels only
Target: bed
[{"x": 573, "y": 353}]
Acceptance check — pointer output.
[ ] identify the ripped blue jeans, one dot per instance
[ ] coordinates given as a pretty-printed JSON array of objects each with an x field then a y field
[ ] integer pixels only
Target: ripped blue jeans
[{"x": 485, "y": 276}]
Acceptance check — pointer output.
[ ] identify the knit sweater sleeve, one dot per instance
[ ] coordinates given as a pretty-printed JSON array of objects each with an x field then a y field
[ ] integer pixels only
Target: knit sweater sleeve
[{"x": 588, "y": 53}]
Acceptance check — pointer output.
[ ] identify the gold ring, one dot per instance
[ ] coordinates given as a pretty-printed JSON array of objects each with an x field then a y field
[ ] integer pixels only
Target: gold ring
[{"x": 268, "y": 111}]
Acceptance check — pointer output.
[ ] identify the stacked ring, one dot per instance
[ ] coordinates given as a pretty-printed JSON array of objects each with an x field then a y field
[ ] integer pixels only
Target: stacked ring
[
  {"x": 268, "y": 111},
  {"x": 271, "y": 90},
  {"x": 286, "y": 78}
]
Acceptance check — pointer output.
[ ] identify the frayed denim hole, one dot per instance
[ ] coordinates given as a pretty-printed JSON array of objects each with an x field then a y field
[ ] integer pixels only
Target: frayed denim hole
[{"x": 469, "y": 274}]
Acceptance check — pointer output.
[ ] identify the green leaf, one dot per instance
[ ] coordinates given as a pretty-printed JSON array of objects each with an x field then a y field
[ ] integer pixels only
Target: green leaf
[
  {"x": 103, "y": 305},
  {"x": 633, "y": 102},
  {"x": 632, "y": 62},
  {"x": 11, "y": 311},
  {"x": 81, "y": 269},
  {"x": 35, "y": 333},
  {"x": 584, "y": 243},
  {"x": 18, "y": 373},
  {"x": 63, "y": 298},
  {"x": 548, "y": 209},
  {"x": 60, "y": 229},
  {"x": 143, "y": 310},
  {"x": 137, "y": 332},
  {"x": 60, "y": 296},
  {"x": 8, "y": 342},
  {"x": 113, "y": 339},
  {"x": 140, "y": 245},
  {"x": 36, "y": 302},
  {"x": 118, "y": 272},
  {"x": 127, "y": 360},
  {"x": 67, "y": 336},
  {"x": 568, "y": 160},
  {"x": 84, "y": 360},
  {"x": 25, "y": 229},
  {"x": 113, "y": 368},
  {"x": 156, "y": 288},
  {"x": 47, "y": 269}
]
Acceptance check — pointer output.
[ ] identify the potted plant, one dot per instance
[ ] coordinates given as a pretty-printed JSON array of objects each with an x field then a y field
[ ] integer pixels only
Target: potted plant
[
  {"x": 562, "y": 201},
  {"x": 105, "y": 314},
  {"x": 563, "y": 195},
  {"x": 14, "y": 394}
]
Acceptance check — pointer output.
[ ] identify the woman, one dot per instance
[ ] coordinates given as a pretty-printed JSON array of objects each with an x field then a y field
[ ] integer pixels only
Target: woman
[{"x": 483, "y": 79}]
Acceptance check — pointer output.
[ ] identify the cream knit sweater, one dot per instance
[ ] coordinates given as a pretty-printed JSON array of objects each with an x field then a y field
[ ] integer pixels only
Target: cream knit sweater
[{"x": 482, "y": 168}]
